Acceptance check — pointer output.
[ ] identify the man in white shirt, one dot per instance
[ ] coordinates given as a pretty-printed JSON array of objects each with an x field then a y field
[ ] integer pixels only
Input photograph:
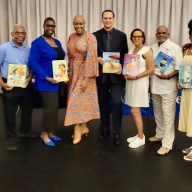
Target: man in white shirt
[{"x": 164, "y": 91}]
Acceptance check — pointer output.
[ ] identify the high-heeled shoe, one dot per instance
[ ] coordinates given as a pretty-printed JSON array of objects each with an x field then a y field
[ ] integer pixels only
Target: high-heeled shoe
[
  {"x": 49, "y": 143},
  {"x": 77, "y": 134},
  {"x": 84, "y": 130},
  {"x": 55, "y": 138}
]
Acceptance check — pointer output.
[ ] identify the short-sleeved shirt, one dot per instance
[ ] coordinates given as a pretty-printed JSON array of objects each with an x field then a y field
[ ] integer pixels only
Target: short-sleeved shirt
[
  {"x": 160, "y": 86},
  {"x": 11, "y": 54}
]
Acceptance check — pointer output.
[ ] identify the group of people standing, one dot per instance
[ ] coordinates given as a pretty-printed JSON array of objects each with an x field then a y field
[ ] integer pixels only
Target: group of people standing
[{"x": 90, "y": 91}]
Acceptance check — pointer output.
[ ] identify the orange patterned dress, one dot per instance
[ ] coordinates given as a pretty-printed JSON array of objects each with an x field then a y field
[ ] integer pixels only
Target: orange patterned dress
[{"x": 82, "y": 56}]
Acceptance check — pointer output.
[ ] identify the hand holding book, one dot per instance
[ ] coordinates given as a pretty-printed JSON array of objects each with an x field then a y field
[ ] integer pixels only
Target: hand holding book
[
  {"x": 101, "y": 61},
  {"x": 129, "y": 77},
  {"x": 51, "y": 80},
  {"x": 162, "y": 76}
]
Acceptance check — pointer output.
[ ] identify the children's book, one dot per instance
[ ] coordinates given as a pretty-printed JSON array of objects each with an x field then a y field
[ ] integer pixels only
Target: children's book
[
  {"x": 112, "y": 62},
  {"x": 162, "y": 61},
  {"x": 60, "y": 70},
  {"x": 185, "y": 76},
  {"x": 131, "y": 64},
  {"x": 16, "y": 75}
]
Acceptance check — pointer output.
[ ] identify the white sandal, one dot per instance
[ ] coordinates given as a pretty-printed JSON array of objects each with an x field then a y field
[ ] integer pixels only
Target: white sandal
[
  {"x": 187, "y": 150},
  {"x": 188, "y": 157}
]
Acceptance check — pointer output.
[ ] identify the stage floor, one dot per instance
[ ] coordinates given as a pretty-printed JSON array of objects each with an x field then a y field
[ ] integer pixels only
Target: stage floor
[{"x": 93, "y": 166}]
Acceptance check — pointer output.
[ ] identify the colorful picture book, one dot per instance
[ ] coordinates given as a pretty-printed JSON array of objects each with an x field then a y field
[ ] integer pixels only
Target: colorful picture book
[
  {"x": 162, "y": 61},
  {"x": 131, "y": 64},
  {"x": 16, "y": 75},
  {"x": 185, "y": 76},
  {"x": 60, "y": 70},
  {"x": 112, "y": 62}
]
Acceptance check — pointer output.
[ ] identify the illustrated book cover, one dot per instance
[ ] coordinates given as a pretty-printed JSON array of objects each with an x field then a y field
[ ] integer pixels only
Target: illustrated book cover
[
  {"x": 16, "y": 75},
  {"x": 112, "y": 62},
  {"x": 185, "y": 76},
  {"x": 131, "y": 64},
  {"x": 162, "y": 61},
  {"x": 60, "y": 70}
]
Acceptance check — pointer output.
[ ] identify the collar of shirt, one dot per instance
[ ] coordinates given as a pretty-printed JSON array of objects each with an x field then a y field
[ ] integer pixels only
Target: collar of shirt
[
  {"x": 110, "y": 32},
  {"x": 164, "y": 43},
  {"x": 14, "y": 45}
]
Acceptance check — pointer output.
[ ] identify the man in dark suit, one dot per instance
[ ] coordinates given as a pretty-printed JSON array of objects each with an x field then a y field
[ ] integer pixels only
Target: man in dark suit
[{"x": 110, "y": 85}]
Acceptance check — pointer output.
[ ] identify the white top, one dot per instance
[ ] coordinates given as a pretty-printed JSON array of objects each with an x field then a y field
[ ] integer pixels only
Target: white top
[
  {"x": 160, "y": 86},
  {"x": 136, "y": 94}
]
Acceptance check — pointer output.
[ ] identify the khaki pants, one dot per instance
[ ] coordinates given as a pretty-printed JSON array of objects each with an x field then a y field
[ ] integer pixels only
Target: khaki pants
[{"x": 164, "y": 110}]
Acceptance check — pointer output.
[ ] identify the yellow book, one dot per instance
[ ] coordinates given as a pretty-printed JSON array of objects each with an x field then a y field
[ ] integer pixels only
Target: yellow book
[
  {"x": 60, "y": 70},
  {"x": 16, "y": 75}
]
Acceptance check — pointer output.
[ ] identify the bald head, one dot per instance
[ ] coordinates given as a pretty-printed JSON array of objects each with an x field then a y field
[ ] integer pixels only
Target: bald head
[
  {"x": 79, "y": 24},
  {"x": 79, "y": 19},
  {"x": 162, "y": 34}
]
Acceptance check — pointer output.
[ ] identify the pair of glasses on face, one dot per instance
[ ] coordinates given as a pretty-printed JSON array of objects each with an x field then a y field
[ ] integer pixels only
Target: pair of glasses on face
[
  {"x": 137, "y": 37},
  {"x": 20, "y": 33},
  {"x": 161, "y": 33},
  {"x": 50, "y": 26}
]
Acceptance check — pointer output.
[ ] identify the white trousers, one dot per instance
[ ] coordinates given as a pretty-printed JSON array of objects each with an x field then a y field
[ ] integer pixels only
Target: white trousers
[{"x": 164, "y": 110}]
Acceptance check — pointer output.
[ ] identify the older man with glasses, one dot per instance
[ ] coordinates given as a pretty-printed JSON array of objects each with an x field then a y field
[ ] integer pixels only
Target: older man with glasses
[
  {"x": 14, "y": 98},
  {"x": 164, "y": 91}
]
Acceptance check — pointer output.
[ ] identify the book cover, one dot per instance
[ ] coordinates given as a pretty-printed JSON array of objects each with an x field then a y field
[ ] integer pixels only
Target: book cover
[
  {"x": 16, "y": 75},
  {"x": 112, "y": 62},
  {"x": 162, "y": 61},
  {"x": 60, "y": 70},
  {"x": 185, "y": 76},
  {"x": 131, "y": 64}
]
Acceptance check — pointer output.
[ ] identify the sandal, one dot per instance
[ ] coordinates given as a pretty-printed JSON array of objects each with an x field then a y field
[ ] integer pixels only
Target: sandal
[
  {"x": 188, "y": 157},
  {"x": 187, "y": 150}
]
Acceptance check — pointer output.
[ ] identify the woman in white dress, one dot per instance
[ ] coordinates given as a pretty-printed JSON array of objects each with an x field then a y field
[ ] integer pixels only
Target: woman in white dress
[
  {"x": 185, "y": 116},
  {"x": 136, "y": 94}
]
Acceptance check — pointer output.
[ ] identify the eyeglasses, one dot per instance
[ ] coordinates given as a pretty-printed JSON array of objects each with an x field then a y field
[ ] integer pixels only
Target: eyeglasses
[
  {"x": 136, "y": 37},
  {"x": 20, "y": 33},
  {"x": 161, "y": 33},
  {"x": 50, "y": 26}
]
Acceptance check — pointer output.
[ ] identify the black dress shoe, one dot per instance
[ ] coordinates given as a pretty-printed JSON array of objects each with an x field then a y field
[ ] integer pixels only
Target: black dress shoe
[
  {"x": 30, "y": 134},
  {"x": 103, "y": 137},
  {"x": 12, "y": 144},
  {"x": 117, "y": 140}
]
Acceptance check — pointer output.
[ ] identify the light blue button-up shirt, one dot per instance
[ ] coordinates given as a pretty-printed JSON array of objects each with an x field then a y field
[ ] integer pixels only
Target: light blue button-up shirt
[{"x": 11, "y": 54}]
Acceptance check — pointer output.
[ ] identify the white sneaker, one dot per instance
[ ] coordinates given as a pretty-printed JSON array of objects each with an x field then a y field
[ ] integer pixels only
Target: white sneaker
[
  {"x": 137, "y": 142},
  {"x": 130, "y": 139}
]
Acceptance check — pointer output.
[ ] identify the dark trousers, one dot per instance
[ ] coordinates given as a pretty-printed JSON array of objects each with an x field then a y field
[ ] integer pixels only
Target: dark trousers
[
  {"x": 50, "y": 102},
  {"x": 109, "y": 94},
  {"x": 18, "y": 98}
]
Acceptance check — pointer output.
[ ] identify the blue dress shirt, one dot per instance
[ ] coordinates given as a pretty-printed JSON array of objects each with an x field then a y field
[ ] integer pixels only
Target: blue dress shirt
[{"x": 11, "y": 54}]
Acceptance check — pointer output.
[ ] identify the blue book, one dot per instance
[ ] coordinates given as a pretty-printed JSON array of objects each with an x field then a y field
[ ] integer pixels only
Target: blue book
[
  {"x": 185, "y": 76},
  {"x": 162, "y": 61}
]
